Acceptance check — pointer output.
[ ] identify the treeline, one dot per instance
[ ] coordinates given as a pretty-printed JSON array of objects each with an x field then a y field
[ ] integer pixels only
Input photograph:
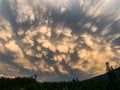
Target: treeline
[
  {"x": 18, "y": 83},
  {"x": 31, "y": 84},
  {"x": 112, "y": 82}
]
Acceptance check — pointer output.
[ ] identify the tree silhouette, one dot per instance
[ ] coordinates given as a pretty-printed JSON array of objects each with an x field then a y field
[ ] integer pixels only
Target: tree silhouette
[
  {"x": 28, "y": 83},
  {"x": 108, "y": 69},
  {"x": 35, "y": 76},
  {"x": 112, "y": 77}
]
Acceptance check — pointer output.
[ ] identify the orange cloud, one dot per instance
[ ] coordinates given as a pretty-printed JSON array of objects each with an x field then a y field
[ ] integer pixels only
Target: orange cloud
[{"x": 19, "y": 56}]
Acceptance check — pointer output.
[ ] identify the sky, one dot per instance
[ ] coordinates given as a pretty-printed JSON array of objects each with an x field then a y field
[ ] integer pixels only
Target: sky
[{"x": 59, "y": 39}]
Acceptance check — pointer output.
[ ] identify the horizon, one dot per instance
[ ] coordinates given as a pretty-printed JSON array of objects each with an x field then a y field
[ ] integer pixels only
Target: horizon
[{"x": 59, "y": 39}]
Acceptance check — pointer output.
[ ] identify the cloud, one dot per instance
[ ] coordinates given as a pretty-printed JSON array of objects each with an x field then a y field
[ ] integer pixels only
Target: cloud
[
  {"x": 90, "y": 61},
  {"x": 95, "y": 8},
  {"x": 44, "y": 67},
  {"x": 2, "y": 49},
  {"x": 6, "y": 76},
  {"x": 8, "y": 69},
  {"x": 49, "y": 45},
  {"x": 20, "y": 8},
  {"x": 5, "y": 30},
  {"x": 57, "y": 38},
  {"x": 117, "y": 41},
  {"x": 88, "y": 40},
  {"x": 62, "y": 69},
  {"x": 61, "y": 57},
  {"x": 13, "y": 47},
  {"x": 29, "y": 52},
  {"x": 94, "y": 28},
  {"x": 19, "y": 56}
]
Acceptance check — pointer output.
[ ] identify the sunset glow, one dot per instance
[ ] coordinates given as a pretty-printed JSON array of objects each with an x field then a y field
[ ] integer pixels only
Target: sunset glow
[{"x": 59, "y": 39}]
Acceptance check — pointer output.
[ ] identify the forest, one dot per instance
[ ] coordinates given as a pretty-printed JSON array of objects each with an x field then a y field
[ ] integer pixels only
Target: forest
[{"x": 112, "y": 82}]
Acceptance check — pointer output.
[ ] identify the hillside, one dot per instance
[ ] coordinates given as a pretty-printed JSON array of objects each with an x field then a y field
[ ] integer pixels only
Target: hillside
[
  {"x": 105, "y": 76},
  {"x": 101, "y": 82}
]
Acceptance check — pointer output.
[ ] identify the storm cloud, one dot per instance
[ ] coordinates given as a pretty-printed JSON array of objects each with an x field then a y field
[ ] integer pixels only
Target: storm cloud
[{"x": 58, "y": 39}]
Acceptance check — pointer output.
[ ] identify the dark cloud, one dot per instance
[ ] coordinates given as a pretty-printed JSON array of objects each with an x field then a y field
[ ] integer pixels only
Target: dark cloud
[{"x": 117, "y": 41}]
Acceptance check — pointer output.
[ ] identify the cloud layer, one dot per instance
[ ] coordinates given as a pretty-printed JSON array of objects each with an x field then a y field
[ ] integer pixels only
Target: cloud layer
[{"x": 58, "y": 39}]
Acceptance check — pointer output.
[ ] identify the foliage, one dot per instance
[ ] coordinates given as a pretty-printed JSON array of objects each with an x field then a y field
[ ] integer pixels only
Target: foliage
[
  {"x": 112, "y": 82},
  {"x": 31, "y": 84}
]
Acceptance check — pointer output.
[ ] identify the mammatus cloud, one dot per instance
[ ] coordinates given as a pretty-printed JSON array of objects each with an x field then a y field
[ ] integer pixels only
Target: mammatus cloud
[
  {"x": 60, "y": 39},
  {"x": 19, "y": 56},
  {"x": 96, "y": 55}
]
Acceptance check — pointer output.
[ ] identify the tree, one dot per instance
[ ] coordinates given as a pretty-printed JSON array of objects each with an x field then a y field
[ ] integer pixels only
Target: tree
[
  {"x": 35, "y": 76},
  {"x": 108, "y": 69}
]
